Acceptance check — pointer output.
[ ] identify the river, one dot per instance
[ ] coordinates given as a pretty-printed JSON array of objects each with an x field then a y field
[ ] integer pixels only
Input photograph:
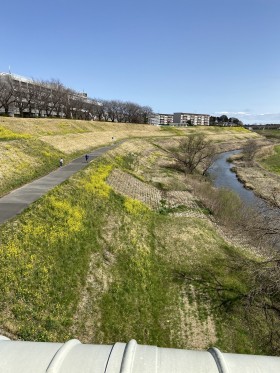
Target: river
[{"x": 222, "y": 177}]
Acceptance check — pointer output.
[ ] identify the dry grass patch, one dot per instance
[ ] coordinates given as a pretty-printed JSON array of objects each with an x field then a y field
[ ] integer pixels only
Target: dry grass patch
[
  {"x": 195, "y": 332},
  {"x": 128, "y": 185},
  {"x": 264, "y": 183}
]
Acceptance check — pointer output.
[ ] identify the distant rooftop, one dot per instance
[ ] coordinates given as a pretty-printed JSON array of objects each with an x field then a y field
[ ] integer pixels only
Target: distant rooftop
[{"x": 18, "y": 77}]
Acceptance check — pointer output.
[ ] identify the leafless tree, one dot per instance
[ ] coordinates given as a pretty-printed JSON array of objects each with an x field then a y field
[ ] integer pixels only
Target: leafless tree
[
  {"x": 42, "y": 97},
  {"x": 23, "y": 97},
  {"x": 250, "y": 149},
  {"x": 98, "y": 109},
  {"x": 6, "y": 94},
  {"x": 57, "y": 97},
  {"x": 194, "y": 152}
]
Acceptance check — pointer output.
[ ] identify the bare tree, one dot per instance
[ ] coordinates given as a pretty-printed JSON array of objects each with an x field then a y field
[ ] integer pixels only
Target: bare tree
[
  {"x": 23, "y": 96},
  {"x": 42, "y": 97},
  {"x": 250, "y": 149},
  {"x": 194, "y": 152},
  {"x": 57, "y": 97},
  {"x": 6, "y": 94},
  {"x": 98, "y": 109}
]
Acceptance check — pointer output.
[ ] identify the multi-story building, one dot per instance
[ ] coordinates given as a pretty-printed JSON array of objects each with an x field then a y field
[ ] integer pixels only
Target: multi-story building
[
  {"x": 154, "y": 119},
  {"x": 165, "y": 119},
  {"x": 180, "y": 119},
  {"x": 184, "y": 119}
]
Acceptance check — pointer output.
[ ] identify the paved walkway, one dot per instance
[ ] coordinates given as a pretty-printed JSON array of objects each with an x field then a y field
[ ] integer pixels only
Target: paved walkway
[{"x": 16, "y": 201}]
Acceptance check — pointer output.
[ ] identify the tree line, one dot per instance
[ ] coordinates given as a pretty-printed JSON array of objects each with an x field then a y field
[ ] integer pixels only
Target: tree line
[
  {"x": 225, "y": 120},
  {"x": 50, "y": 98}
]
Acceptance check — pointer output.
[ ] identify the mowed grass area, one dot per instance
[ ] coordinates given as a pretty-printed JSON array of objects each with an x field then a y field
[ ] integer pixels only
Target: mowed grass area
[{"x": 87, "y": 262}]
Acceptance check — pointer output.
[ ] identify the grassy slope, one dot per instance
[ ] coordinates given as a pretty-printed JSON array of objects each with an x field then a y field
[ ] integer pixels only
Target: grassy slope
[
  {"x": 30, "y": 148},
  {"x": 271, "y": 161},
  {"x": 84, "y": 261}
]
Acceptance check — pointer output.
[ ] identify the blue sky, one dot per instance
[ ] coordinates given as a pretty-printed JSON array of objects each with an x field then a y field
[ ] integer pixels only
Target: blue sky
[{"x": 204, "y": 56}]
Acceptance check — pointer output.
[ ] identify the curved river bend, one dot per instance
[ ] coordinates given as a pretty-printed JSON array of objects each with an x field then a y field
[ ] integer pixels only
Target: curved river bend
[{"x": 222, "y": 177}]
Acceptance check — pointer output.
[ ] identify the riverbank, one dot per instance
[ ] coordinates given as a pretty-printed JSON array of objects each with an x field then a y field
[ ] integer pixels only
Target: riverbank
[
  {"x": 142, "y": 253},
  {"x": 255, "y": 177}
]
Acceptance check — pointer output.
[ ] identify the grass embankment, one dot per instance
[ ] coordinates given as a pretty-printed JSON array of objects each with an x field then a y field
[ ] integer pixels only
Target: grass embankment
[
  {"x": 269, "y": 134},
  {"x": 30, "y": 148},
  {"x": 270, "y": 157},
  {"x": 87, "y": 262},
  {"x": 272, "y": 162}
]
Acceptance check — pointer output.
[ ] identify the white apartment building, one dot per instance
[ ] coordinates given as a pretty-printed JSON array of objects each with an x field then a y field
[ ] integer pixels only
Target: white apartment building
[
  {"x": 180, "y": 119},
  {"x": 183, "y": 119},
  {"x": 165, "y": 119},
  {"x": 161, "y": 119}
]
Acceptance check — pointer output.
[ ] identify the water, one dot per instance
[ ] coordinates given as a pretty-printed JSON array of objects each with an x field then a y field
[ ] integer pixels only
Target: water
[{"x": 222, "y": 177}]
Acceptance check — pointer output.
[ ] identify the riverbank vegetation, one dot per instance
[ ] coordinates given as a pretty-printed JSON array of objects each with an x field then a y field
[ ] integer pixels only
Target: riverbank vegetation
[
  {"x": 130, "y": 248},
  {"x": 258, "y": 168}
]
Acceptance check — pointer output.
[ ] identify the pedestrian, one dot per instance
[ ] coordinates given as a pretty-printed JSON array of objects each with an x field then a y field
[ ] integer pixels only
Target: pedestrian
[
  {"x": 61, "y": 162},
  {"x": 86, "y": 157}
]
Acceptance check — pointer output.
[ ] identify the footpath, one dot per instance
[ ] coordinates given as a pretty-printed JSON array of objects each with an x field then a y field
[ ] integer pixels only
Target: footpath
[{"x": 19, "y": 199}]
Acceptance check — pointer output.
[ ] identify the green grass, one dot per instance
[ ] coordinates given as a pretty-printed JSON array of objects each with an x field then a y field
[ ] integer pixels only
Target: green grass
[
  {"x": 45, "y": 257},
  {"x": 87, "y": 263},
  {"x": 173, "y": 130},
  {"x": 270, "y": 134},
  {"x": 272, "y": 163}
]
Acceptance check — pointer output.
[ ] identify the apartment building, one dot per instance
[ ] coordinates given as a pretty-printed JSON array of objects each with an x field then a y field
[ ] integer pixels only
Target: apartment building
[
  {"x": 165, "y": 119},
  {"x": 184, "y": 119},
  {"x": 180, "y": 119}
]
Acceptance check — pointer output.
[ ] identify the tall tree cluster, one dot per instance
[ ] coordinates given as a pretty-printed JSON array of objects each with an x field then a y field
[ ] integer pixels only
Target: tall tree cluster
[{"x": 52, "y": 99}]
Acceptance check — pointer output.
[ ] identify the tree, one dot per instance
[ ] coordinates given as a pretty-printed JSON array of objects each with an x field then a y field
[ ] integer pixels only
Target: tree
[
  {"x": 6, "y": 95},
  {"x": 213, "y": 120},
  {"x": 223, "y": 118},
  {"x": 195, "y": 152},
  {"x": 23, "y": 96},
  {"x": 250, "y": 149}
]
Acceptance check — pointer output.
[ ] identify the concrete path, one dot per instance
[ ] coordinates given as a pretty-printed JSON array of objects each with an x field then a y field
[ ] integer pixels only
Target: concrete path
[{"x": 16, "y": 201}]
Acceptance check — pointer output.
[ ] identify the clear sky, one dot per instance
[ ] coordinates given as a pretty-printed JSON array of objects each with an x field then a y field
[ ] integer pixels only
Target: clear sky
[{"x": 201, "y": 56}]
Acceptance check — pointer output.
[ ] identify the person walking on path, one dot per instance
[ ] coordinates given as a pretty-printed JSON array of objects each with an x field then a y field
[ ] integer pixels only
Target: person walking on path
[
  {"x": 86, "y": 157},
  {"x": 61, "y": 162}
]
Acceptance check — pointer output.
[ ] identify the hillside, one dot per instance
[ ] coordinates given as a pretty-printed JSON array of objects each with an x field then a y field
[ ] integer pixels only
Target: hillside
[{"x": 124, "y": 249}]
